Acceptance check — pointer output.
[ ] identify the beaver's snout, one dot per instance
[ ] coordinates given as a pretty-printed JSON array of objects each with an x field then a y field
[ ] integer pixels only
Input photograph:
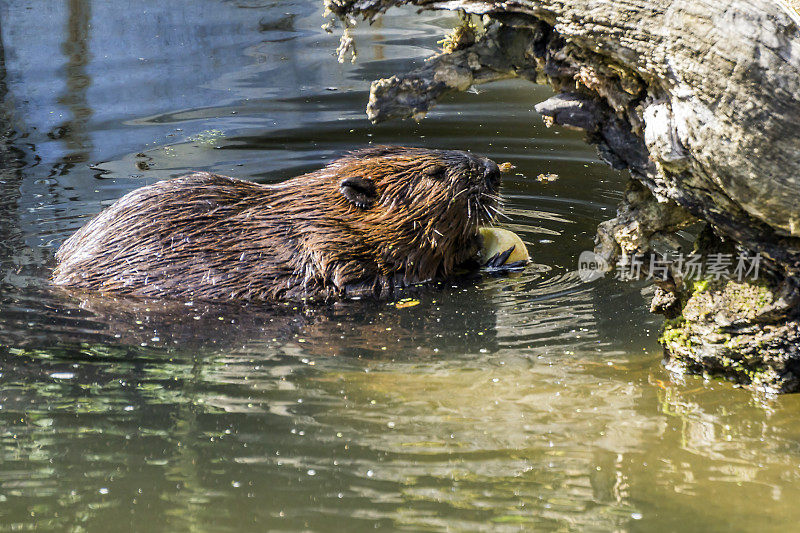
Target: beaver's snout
[
  {"x": 491, "y": 174},
  {"x": 484, "y": 171}
]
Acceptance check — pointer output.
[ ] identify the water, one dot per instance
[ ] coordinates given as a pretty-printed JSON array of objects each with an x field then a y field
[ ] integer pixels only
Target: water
[{"x": 525, "y": 402}]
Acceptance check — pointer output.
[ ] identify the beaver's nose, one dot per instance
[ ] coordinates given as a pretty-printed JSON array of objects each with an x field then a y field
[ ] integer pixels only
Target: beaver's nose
[{"x": 491, "y": 173}]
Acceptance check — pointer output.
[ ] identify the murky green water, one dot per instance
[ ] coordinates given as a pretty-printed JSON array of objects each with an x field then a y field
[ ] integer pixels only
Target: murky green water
[{"x": 525, "y": 402}]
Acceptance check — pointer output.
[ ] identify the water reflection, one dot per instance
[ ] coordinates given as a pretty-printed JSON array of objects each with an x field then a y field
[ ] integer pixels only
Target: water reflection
[
  {"x": 522, "y": 402},
  {"x": 73, "y": 132},
  {"x": 434, "y": 442}
]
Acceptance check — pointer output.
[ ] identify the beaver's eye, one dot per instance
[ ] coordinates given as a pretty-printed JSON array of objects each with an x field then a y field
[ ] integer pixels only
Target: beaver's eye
[
  {"x": 434, "y": 170},
  {"x": 359, "y": 191}
]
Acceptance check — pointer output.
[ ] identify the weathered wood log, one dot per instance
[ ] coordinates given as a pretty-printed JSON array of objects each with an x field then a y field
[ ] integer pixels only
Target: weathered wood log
[{"x": 699, "y": 100}]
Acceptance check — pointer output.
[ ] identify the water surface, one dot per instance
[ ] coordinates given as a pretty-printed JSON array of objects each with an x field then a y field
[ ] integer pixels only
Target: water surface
[{"x": 532, "y": 401}]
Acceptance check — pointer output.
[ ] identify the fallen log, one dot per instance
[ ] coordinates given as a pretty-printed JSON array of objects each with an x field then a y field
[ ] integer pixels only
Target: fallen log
[{"x": 700, "y": 101}]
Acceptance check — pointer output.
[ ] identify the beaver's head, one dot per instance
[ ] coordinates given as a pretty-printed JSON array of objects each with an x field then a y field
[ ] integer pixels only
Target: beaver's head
[{"x": 389, "y": 214}]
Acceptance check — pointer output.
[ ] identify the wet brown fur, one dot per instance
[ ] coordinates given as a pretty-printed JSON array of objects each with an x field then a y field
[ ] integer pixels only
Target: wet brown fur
[{"x": 210, "y": 237}]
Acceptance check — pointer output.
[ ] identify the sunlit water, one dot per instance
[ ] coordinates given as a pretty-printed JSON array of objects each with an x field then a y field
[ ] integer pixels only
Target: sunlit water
[{"x": 525, "y": 402}]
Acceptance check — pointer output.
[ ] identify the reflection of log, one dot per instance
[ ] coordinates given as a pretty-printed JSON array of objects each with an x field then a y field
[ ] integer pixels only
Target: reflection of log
[{"x": 699, "y": 100}]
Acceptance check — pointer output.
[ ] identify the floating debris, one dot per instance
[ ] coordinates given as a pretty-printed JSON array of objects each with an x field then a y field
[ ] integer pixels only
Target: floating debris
[
  {"x": 547, "y": 177},
  {"x": 506, "y": 167},
  {"x": 406, "y": 302}
]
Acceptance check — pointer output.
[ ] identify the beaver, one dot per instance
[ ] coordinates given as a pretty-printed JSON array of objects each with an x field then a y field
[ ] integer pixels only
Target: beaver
[{"x": 371, "y": 222}]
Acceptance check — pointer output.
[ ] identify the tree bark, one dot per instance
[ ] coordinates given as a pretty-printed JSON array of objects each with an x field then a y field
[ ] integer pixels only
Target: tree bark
[{"x": 700, "y": 100}]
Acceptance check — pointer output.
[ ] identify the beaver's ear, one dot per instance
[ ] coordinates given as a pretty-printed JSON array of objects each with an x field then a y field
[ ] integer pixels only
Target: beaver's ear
[
  {"x": 434, "y": 170},
  {"x": 360, "y": 191}
]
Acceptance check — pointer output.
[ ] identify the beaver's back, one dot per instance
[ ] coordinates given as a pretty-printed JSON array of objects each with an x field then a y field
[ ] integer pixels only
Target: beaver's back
[{"x": 190, "y": 237}]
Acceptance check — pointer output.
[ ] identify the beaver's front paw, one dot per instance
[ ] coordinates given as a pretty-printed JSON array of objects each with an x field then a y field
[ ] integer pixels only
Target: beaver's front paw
[{"x": 499, "y": 262}]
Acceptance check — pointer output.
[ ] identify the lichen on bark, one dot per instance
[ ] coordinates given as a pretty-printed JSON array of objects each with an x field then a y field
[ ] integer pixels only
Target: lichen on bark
[{"x": 738, "y": 330}]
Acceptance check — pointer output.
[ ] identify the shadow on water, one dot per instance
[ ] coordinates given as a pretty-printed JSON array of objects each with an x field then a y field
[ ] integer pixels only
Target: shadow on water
[{"x": 532, "y": 401}]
